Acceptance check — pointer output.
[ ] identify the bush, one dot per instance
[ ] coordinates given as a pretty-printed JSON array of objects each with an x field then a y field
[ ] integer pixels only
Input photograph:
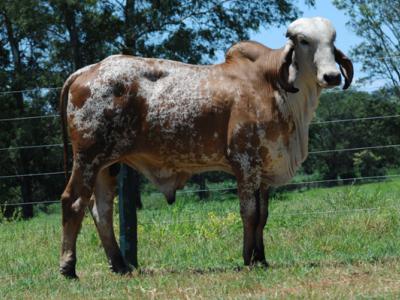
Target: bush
[{"x": 366, "y": 163}]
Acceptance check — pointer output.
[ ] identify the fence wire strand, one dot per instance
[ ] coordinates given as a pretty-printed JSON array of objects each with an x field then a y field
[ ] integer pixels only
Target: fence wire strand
[
  {"x": 61, "y": 172},
  {"x": 288, "y": 214},
  {"x": 355, "y": 119},
  {"x": 29, "y": 118},
  {"x": 312, "y": 123},
  {"x": 354, "y": 179},
  {"x": 31, "y": 147},
  {"x": 32, "y": 174},
  {"x": 30, "y": 90},
  {"x": 354, "y": 149},
  {"x": 272, "y": 213},
  {"x": 310, "y": 152}
]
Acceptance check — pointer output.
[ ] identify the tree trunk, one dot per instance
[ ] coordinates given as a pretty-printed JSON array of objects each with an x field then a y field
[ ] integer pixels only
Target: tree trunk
[
  {"x": 73, "y": 31},
  {"x": 25, "y": 182},
  {"x": 129, "y": 28},
  {"x": 26, "y": 191}
]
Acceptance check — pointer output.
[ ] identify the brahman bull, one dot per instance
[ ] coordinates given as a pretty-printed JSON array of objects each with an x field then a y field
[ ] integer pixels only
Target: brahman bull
[{"x": 248, "y": 116}]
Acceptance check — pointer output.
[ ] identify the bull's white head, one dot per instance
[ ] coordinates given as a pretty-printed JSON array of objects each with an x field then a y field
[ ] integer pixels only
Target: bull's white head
[{"x": 310, "y": 51}]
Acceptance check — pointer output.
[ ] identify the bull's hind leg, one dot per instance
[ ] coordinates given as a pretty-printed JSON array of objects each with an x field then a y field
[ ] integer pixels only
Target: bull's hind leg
[
  {"x": 102, "y": 212},
  {"x": 74, "y": 200}
]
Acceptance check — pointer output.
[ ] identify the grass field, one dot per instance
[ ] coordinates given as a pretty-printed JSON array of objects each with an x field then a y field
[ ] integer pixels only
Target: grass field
[{"x": 341, "y": 242}]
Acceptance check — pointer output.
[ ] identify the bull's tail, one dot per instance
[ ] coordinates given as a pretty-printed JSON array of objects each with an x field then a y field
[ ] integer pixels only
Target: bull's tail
[{"x": 63, "y": 115}]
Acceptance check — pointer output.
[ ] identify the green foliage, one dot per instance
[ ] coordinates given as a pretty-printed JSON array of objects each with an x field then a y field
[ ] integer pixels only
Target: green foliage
[
  {"x": 80, "y": 33},
  {"x": 366, "y": 163},
  {"x": 354, "y": 134},
  {"x": 194, "y": 31},
  {"x": 37, "y": 160},
  {"x": 378, "y": 23}
]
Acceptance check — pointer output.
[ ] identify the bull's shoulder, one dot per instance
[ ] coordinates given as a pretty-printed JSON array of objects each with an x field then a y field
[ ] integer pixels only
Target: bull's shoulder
[{"x": 263, "y": 111}]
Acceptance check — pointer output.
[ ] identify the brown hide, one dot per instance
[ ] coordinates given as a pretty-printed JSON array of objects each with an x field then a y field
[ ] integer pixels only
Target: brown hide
[
  {"x": 170, "y": 120},
  {"x": 115, "y": 124}
]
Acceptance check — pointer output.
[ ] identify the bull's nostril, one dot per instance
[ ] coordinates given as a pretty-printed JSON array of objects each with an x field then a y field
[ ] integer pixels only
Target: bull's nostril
[{"x": 332, "y": 79}]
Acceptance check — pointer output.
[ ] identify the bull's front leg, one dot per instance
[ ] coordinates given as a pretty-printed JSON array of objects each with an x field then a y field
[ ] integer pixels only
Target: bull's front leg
[
  {"x": 249, "y": 212},
  {"x": 262, "y": 198},
  {"x": 246, "y": 164},
  {"x": 254, "y": 214}
]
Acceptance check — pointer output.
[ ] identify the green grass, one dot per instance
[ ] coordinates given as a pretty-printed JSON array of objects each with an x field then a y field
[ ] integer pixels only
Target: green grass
[{"x": 341, "y": 242}]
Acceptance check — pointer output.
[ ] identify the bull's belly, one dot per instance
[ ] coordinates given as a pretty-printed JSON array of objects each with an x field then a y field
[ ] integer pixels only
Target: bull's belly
[
  {"x": 169, "y": 171},
  {"x": 171, "y": 162}
]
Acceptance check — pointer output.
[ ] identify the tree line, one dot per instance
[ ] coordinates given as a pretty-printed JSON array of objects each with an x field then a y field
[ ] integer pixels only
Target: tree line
[{"x": 42, "y": 42}]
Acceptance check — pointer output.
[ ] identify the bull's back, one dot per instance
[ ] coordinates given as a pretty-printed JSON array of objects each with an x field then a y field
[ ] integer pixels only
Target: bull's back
[{"x": 152, "y": 106}]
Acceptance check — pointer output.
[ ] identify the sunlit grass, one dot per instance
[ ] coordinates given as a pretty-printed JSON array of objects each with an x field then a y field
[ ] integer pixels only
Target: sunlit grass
[{"x": 329, "y": 242}]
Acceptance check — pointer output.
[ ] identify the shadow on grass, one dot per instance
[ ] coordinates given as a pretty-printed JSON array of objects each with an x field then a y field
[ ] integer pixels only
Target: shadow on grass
[
  {"x": 295, "y": 264},
  {"x": 200, "y": 271}
]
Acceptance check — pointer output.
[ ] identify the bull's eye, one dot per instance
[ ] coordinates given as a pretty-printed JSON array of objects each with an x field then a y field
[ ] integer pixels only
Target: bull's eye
[{"x": 304, "y": 42}]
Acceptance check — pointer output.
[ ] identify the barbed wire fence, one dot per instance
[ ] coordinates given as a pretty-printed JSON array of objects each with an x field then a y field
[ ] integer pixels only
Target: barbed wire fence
[{"x": 213, "y": 190}]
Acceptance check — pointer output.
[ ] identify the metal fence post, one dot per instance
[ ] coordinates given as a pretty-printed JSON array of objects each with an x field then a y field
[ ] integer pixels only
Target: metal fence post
[{"x": 127, "y": 216}]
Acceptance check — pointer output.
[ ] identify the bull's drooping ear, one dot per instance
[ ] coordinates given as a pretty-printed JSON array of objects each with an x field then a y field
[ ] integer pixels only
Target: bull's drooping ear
[
  {"x": 346, "y": 67},
  {"x": 287, "y": 70}
]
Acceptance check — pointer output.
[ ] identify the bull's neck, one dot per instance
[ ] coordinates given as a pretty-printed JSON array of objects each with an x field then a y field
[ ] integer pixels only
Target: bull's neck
[
  {"x": 301, "y": 107},
  {"x": 303, "y": 104}
]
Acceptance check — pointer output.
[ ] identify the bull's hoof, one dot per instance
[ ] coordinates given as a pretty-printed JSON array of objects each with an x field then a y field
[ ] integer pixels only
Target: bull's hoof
[
  {"x": 117, "y": 265},
  {"x": 260, "y": 263},
  {"x": 120, "y": 270},
  {"x": 171, "y": 199},
  {"x": 263, "y": 264},
  {"x": 68, "y": 271}
]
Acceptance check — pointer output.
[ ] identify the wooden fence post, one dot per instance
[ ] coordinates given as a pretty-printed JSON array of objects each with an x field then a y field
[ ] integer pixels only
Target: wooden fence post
[{"x": 127, "y": 216}]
